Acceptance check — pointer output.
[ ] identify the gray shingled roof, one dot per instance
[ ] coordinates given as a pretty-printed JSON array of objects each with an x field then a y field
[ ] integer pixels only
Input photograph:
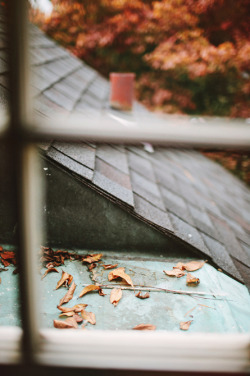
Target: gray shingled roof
[{"x": 179, "y": 192}]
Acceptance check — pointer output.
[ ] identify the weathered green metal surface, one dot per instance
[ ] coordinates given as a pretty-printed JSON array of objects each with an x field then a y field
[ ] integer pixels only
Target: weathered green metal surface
[{"x": 225, "y": 308}]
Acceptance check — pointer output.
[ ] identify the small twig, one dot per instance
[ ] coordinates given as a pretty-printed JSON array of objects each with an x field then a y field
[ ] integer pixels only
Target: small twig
[{"x": 158, "y": 289}]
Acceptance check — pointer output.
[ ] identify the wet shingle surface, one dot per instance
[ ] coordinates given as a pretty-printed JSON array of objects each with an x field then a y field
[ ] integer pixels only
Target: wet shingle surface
[{"x": 179, "y": 192}]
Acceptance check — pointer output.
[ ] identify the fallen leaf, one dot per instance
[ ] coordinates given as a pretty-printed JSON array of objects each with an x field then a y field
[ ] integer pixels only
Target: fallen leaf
[
  {"x": 101, "y": 293},
  {"x": 89, "y": 288},
  {"x": 184, "y": 325},
  {"x": 145, "y": 296},
  {"x": 3, "y": 270},
  {"x": 91, "y": 266},
  {"x": 191, "y": 280},
  {"x": 50, "y": 265},
  {"x": 0, "y": 280},
  {"x": 5, "y": 263},
  {"x": 120, "y": 273},
  {"x": 194, "y": 265},
  {"x": 175, "y": 273},
  {"x": 69, "y": 294},
  {"x": 50, "y": 270},
  {"x": 92, "y": 258},
  {"x": 89, "y": 316},
  {"x": 144, "y": 327},
  {"x": 72, "y": 321},
  {"x": 67, "y": 314},
  {"x": 65, "y": 278},
  {"x": 115, "y": 296},
  {"x": 179, "y": 265},
  {"x": 109, "y": 266},
  {"x": 78, "y": 318},
  {"x": 63, "y": 324},
  {"x": 6, "y": 255},
  {"x": 76, "y": 308}
]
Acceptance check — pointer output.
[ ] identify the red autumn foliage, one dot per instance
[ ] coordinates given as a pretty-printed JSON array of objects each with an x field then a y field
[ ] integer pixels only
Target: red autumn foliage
[{"x": 190, "y": 56}]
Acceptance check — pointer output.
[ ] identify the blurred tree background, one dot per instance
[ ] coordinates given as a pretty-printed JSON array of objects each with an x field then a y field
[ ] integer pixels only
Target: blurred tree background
[{"x": 189, "y": 56}]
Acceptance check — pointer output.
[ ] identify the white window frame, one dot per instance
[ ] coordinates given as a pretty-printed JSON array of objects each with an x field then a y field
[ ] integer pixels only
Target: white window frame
[{"x": 165, "y": 351}]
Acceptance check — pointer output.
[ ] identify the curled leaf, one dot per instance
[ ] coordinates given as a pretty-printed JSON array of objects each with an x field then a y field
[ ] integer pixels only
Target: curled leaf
[
  {"x": 145, "y": 296},
  {"x": 69, "y": 295},
  {"x": 7, "y": 255},
  {"x": 109, "y": 266},
  {"x": 120, "y": 273},
  {"x": 91, "y": 288},
  {"x": 78, "y": 318},
  {"x": 184, "y": 325},
  {"x": 65, "y": 278},
  {"x": 72, "y": 321},
  {"x": 179, "y": 265},
  {"x": 67, "y": 314},
  {"x": 144, "y": 327},
  {"x": 49, "y": 270},
  {"x": 89, "y": 316},
  {"x": 175, "y": 273},
  {"x": 115, "y": 296},
  {"x": 194, "y": 265},
  {"x": 92, "y": 266},
  {"x": 191, "y": 280},
  {"x": 5, "y": 263},
  {"x": 76, "y": 308},
  {"x": 92, "y": 258},
  {"x": 64, "y": 324}
]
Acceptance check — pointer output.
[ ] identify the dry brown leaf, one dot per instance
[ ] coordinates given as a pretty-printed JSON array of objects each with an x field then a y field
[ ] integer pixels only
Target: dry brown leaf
[
  {"x": 72, "y": 321},
  {"x": 0, "y": 280},
  {"x": 194, "y": 265},
  {"x": 67, "y": 314},
  {"x": 101, "y": 293},
  {"x": 191, "y": 280},
  {"x": 179, "y": 265},
  {"x": 88, "y": 289},
  {"x": 92, "y": 258},
  {"x": 69, "y": 295},
  {"x": 76, "y": 308},
  {"x": 92, "y": 266},
  {"x": 145, "y": 296},
  {"x": 89, "y": 316},
  {"x": 66, "y": 277},
  {"x": 175, "y": 273},
  {"x": 50, "y": 270},
  {"x": 120, "y": 273},
  {"x": 6, "y": 255},
  {"x": 184, "y": 325},
  {"x": 115, "y": 296},
  {"x": 109, "y": 266},
  {"x": 144, "y": 327},
  {"x": 78, "y": 318},
  {"x": 63, "y": 324},
  {"x": 5, "y": 263}
]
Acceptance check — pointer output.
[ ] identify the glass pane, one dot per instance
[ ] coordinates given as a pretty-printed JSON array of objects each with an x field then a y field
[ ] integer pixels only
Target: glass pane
[
  {"x": 143, "y": 209},
  {"x": 9, "y": 276}
]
